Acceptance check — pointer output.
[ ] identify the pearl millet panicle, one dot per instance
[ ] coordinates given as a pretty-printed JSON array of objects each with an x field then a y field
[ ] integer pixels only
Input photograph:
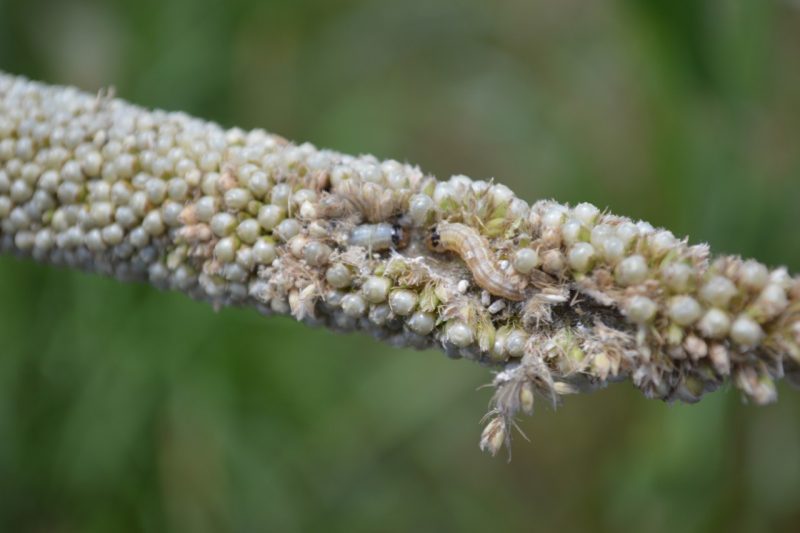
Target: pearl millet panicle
[{"x": 557, "y": 299}]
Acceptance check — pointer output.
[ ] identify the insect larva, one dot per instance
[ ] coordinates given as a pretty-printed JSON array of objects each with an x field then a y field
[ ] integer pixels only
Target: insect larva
[
  {"x": 378, "y": 237},
  {"x": 474, "y": 251}
]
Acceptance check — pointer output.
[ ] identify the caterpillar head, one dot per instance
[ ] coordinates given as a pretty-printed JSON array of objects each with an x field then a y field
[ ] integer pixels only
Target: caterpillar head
[
  {"x": 434, "y": 241},
  {"x": 399, "y": 236}
]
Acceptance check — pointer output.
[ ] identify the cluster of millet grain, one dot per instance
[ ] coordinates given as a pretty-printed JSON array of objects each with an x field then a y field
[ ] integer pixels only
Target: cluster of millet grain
[{"x": 557, "y": 299}]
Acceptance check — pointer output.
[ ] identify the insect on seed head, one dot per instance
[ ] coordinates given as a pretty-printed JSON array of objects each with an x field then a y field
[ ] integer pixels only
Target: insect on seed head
[
  {"x": 434, "y": 241},
  {"x": 399, "y": 236}
]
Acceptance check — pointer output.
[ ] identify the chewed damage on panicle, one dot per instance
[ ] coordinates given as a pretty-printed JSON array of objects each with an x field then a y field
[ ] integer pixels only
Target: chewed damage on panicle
[{"x": 557, "y": 299}]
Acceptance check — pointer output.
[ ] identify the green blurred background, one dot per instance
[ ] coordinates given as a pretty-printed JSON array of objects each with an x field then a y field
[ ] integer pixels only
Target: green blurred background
[{"x": 127, "y": 409}]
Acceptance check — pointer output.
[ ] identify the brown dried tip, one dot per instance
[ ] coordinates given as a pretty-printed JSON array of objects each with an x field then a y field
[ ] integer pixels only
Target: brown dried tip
[{"x": 494, "y": 435}]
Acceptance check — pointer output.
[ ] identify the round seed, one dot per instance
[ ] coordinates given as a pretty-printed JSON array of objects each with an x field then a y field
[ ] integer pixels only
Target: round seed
[
  {"x": 20, "y": 191},
  {"x": 746, "y": 331},
  {"x": 112, "y": 234},
  {"x": 515, "y": 343},
  {"x": 354, "y": 305},
  {"x": 379, "y": 314},
  {"x": 339, "y": 276},
  {"x": 554, "y": 217},
  {"x": 459, "y": 333},
  {"x": 304, "y": 195},
  {"x": 245, "y": 257},
  {"x": 258, "y": 184},
  {"x": 421, "y": 323},
  {"x": 280, "y": 195},
  {"x": 205, "y": 208},
  {"x": 223, "y": 224},
  {"x": 718, "y": 291},
  {"x": 177, "y": 189},
  {"x": 677, "y": 276},
  {"x": 772, "y": 301},
  {"x": 581, "y": 257},
  {"x": 684, "y": 310},
  {"x": 641, "y": 309},
  {"x": 715, "y": 324},
  {"x": 225, "y": 250},
  {"x": 248, "y": 231},
  {"x": 264, "y": 252},
  {"x": 139, "y": 237},
  {"x": 316, "y": 253},
  {"x": 237, "y": 198},
  {"x": 632, "y": 270},
  {"x": 525, "y": 260},
  {"x": 287, "y": 229},
  {"x": 270, "y": 216},
  {"x": 153, "y": 224},
  {"x": 599, "y": 234},
  {"x": 156, "y": 190},
  {"x": 586, "y": 213},
  {"x": 376, "y": 289},
  {"x": 571, "y": 231},
  {"x": 753, "y": 275},
  {"x": 662, "y": 242},
  {"x": 419, "y": 207},
  {"x": 403, "y": 302}
]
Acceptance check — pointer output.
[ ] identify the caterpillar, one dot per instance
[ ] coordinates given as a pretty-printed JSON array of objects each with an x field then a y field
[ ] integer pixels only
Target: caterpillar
[
  {"x": 378, "y": 237},
  {"x": 474, "y": 250}
]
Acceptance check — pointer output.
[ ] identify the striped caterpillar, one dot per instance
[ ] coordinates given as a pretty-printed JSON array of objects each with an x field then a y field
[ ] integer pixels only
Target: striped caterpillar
[{"x": 475, "y": 252}]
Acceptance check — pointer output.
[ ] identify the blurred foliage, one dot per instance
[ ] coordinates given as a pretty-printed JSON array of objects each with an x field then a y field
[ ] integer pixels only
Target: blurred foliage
[{"x": 126, "y": 409}]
